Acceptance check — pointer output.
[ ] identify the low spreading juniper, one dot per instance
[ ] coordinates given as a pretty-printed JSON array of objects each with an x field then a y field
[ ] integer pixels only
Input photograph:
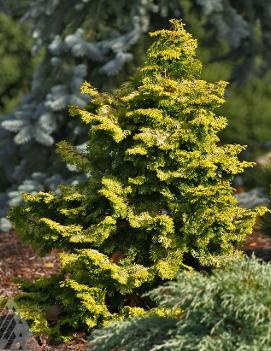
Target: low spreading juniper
[{"x": 226, "y": 311}]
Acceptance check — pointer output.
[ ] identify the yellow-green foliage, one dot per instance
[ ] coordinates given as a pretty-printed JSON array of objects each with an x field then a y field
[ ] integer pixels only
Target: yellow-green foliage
[{"x": 158, "y": 197}]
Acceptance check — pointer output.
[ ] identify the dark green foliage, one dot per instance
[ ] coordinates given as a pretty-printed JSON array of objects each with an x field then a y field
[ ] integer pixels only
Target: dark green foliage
[
  {"x": 227, "y": 310},
  {"x": 15, "y": 75},
  {"x": 158, "y": 197},
  {"x": 249, "y": 111},
  {"x": 236, "y": 32},
  {"x": 15, "y": 61}
]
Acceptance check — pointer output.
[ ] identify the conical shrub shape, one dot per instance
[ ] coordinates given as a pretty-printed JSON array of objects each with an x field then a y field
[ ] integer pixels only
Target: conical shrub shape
[{"x": 158, "y": 196}]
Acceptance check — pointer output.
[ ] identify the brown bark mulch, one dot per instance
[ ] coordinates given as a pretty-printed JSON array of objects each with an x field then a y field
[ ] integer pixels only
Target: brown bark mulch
[
  {"x": 22, "y": 261},
  {"x": 258, "y": 243}
]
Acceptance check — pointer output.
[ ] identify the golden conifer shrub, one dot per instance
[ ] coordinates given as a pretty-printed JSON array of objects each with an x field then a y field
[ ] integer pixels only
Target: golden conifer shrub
[{"x": 158, "y": 196}]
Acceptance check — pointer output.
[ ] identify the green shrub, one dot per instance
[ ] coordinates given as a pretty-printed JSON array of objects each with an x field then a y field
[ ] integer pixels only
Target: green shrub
[
  {"x": 16, "y": 62},
  {"x": 226, "y": 311},
  {"x": 158, "y": 197},
  {"x": 249, "y": 114}
]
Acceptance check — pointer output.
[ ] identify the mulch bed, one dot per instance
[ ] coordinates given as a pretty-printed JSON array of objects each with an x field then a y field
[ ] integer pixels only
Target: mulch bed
[
  {"x": 78, "y": 344},
  {"x": 258, "y": 244},
  {"x": 22, "y": 261}
]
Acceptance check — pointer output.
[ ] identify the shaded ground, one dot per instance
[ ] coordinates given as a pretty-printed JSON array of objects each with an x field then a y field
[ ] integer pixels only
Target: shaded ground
[
  {"x": 18, "y": 260},
  {"x": 259, "y": 244},
  {"x": 78, "y": 344}
]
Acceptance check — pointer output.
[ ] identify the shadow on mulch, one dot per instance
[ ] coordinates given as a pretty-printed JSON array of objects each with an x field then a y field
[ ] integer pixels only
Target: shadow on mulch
[
  {"x": 22, "y": 261},
  {"x": 258, "y": 244}
]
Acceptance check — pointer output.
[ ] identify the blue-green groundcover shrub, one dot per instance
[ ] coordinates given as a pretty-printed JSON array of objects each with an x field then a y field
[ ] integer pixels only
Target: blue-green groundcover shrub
[{"x": 228, "y": 310}]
